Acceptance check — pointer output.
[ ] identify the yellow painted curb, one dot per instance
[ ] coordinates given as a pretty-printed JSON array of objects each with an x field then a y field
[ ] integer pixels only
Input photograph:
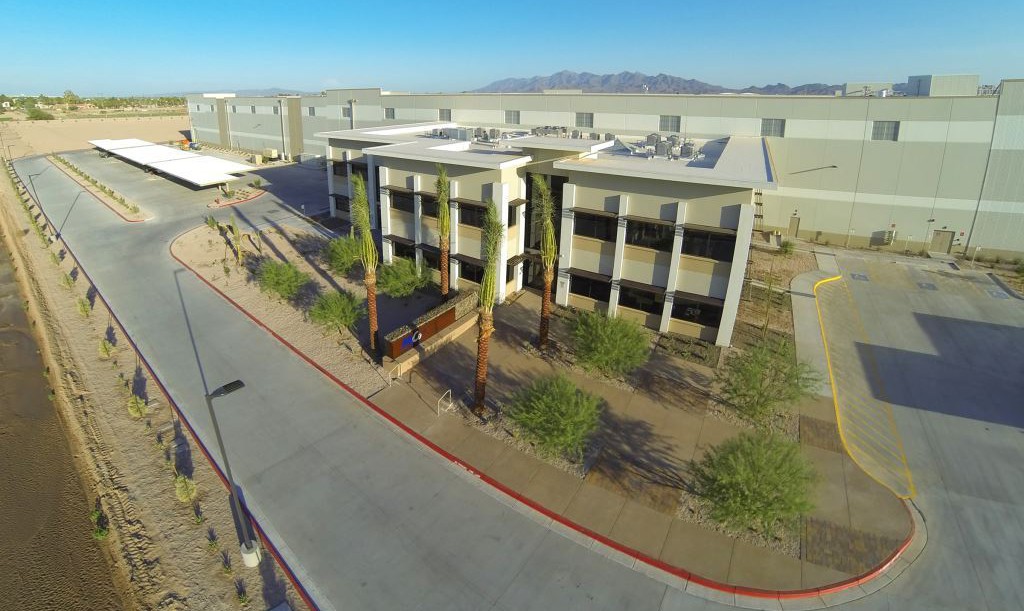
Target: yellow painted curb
[{"x": 911, "y": 490}]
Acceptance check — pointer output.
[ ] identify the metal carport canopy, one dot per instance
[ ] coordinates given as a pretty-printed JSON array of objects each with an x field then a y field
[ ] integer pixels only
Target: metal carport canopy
[{"x": 200, "y": 170}]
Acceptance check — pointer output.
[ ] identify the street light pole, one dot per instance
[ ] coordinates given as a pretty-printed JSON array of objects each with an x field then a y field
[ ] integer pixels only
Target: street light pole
[{"x": 250, "y": 553}]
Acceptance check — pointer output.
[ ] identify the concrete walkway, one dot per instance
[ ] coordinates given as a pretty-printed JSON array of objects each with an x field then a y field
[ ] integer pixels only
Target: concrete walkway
[{"x": 650, "y": 435}]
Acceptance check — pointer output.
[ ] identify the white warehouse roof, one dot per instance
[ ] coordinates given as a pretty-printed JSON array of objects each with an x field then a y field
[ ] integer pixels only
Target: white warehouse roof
[{"x": 200, "y": 170}]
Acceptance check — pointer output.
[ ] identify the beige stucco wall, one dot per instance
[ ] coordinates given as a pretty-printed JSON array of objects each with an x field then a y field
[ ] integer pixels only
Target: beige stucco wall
[
  {"x": 703, "y": 276},
  {"x": 592, "y": 255},
  {"x": 646, "y": 265}
]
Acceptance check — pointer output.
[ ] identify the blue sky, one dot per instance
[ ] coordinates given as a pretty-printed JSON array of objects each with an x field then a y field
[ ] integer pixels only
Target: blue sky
[{"x": 141, "y": 47}]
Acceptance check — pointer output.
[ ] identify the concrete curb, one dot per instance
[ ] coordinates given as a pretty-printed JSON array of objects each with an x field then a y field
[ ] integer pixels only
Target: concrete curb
[
  {"x": 241, "y": 201},
  {"x": 1006, "y": 287},
  {"x": 88, "y": 189},
  {"x": 677, "y": 577}
]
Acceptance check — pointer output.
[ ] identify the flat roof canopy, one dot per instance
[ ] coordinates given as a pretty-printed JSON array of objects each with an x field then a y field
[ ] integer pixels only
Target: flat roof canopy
[{"x": 200, "y": 170}]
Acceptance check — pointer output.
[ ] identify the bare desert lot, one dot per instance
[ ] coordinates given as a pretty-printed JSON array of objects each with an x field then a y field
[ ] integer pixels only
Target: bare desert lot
[{"x": 37, "y": 137}]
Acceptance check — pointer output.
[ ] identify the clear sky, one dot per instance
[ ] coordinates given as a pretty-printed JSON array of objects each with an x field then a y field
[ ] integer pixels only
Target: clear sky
[{"x": 155, "y": 46}]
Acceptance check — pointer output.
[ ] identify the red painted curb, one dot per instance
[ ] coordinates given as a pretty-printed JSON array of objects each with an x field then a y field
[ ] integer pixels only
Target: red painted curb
[
  {"x": 96, "y": 197},
  {"x": 170, "y": 401},
  {"x": 241, "y": 201},
  {"x": 635, "y": 554}
]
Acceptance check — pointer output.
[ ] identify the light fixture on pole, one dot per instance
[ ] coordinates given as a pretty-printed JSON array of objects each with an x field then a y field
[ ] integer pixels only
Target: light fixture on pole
[{"x": 248, "y": 547}]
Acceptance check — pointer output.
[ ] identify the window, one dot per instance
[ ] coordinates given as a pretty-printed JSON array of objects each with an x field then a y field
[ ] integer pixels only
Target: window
[
  {"x": 775, "y": 128},
  {"x": 428, "y": 206},
  {"x": 645, "y": 301},
  {"x": 584, "y": 119},
  {"x": 513, "y": 215},
  {"x": 650, "y": 235},
  {"x": 696, "y": 312},
  {"x": 341, "y": 203},
  {"x": 587, "y": 287},
  {"x": 405, "y": 251},
  {"x": 512, "y": 117},
  {"x": 402, "y": 201},
  {"x": 277, "y": 110},
  {"x": 211, "y": 107},
  {"x": 234, "y": 108},
  {"x": 340, "y": 168},
  {"x": 346, "y": 112},
  {"x": 471, "y": 272},
  {"x": 708, "y": 245},
  {"x": 885, "y": 130},
  {"x": 311, "y": 110},
  {"x": 593, "y": 226},
  {"x": 252, "y": 109},
  {"x": 389, "y": 113},
  {"x": 431, "y": 259},
  {"x": 669, "y": 123},
  {"x": 444, "y": 114},
  {"x": 197, "y": 107},
  {"x": 471, "y": 215}
]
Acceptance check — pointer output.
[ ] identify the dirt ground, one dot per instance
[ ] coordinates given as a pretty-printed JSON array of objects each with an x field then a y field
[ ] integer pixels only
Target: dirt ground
[
  {"x": 160, "y": 546},
  {"x": 755, "y": 304},
  {"x": 37, "y": 137}
]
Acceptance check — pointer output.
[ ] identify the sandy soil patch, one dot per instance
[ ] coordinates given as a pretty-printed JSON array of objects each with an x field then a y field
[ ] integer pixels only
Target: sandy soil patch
[
  {"x": 161, "y": 549},
  {"x": 39, "y": 137},
  {"x": 206, "y": 252}
]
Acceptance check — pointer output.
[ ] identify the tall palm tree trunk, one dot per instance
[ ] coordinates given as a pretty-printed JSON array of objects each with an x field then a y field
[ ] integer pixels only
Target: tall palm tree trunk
[
  {"x": 444, "y": 244},
  {"x": 483, "y": 345},
  {"x": 545, "y": 309},
  {"x": 370, "y": 280}
]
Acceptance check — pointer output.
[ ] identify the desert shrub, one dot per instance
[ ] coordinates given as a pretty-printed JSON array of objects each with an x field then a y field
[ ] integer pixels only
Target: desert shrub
[
  {"x": 613, "y": 346},
  {"x": 755, "y": 481},
  {"x": 787, "y": 247},
  {"x": 556, "y": 416},
  {"x": 401, "y": 278},
  {"x": 35, "y": 114},
  {"x": 84, "y": 307},
  {"x": 1020, "y": 269},
  {"x": 106, "y": 348},
  {"x": 100, "y": 528},
  {"x": 342, "y": 254},
  {"x": 184, "y": 488},
  {"x": 211, "y": 222},
  {"x": 759, "y": 380},
  {"x": 339, "y": 310},
  {"x": 67, "y": 281},
  {"x": 257, "y": 183},
  {"x": 136, "y": 406},
  {"x": 281, "y": 278}
]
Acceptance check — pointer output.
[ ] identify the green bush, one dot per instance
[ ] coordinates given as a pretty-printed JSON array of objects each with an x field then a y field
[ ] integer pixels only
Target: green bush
[
  {"x": 556, "y": 416},
  {"x": 1020, "y": 269},
  {"x": 401, "y": 278},
  {"x": 760, "y": 379},
  {"x": 136, "y": 406},
  {"x": 340, "y": 310},
  {"x": 787, "y": 247},
  {"x": 342, "y": 254},
  {"x": 100, "y": 528},
  {"x": 613, "y": 346},
  {"x": 755, "y": 481},
  {"x": 185, "y": 488},
  {"x": 281, "y": 278},
  {"x": 35, "y": 114}
]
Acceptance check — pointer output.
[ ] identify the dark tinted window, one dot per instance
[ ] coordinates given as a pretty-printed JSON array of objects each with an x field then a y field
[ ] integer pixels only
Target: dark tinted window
[
  {"x": 593, "y": 226},
  {"x": 428, "y": 206},
  {"x": 402, "y": 201},
  {"x": 513, "y": 215},
  {"x": 650, "y": 235},
  {"x": 645, "y": 301},
  {"x": 341, "y": 203},
  {"x": 708, "y": 245},
  {"x": 473, "y": 273},
  {"x": 700, "y": 313},
  {"x": 340, "y": 168},
  {"x": 594, "y": 289},
  {"x": 432, "y": 259},
  {"x": 406, "y": 251},
  {"x": 472, "y": 215}
]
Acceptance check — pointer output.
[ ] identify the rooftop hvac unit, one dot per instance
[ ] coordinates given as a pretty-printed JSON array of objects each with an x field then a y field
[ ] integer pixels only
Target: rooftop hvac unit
[
  {"x": 575, "y": 133},
  {"x": 661, "y": 148},
  {"x": 479, "y": 133},
  {"x": 609, "y": 136},
  {"x": 653, "y": 139},
  {"x": 595, "y": 136},
  {"x": 494, "y": 133}
]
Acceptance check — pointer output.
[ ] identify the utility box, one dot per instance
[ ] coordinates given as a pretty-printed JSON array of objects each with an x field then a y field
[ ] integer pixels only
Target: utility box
[{"x": 270, "y": 154}]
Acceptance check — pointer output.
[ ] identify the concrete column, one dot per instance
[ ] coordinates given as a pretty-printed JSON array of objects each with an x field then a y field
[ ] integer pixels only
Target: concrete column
[
  {"x": 736, "y": 273},
  {"x": 521, "y": 245},
  {"x": 330, "y": 179},
  {"x": 673, "y": 270},
  {"x": 499, "y": 193},
  {"x": 387, "y": 248},
  {"x": 417, "y": 215},
  {"x": 620, "y": 249},
  {"x": 565, "y": 243},
  {"x": 453, "y": 240}
]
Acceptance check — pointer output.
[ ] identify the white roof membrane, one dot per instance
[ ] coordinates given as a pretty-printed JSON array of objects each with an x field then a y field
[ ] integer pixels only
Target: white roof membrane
[{"x": 200, "y": 170}]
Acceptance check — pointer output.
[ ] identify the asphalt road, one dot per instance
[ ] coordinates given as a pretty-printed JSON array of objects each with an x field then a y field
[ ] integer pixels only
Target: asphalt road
[{"x": 368, "y": 519}]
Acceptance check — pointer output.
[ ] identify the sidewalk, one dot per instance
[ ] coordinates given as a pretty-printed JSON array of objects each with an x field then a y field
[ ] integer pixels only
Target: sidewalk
[{"x": 631, "y": 494}]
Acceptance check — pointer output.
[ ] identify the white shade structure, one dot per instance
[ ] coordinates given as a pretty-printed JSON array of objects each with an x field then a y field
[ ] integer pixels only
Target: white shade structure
[{"x": 200, "y": 170}]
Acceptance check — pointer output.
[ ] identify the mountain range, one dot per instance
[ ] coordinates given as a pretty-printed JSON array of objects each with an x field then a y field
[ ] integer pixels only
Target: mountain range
[{"x": 635, "y": 82}]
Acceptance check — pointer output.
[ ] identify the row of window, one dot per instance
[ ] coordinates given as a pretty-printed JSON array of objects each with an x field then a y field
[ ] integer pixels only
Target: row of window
[
  {"x": 658, "y": 236},
  {"x": 880, "y": 130},
  {"x": 468, "y": 215},
  {"x": 705, "y": 314}
]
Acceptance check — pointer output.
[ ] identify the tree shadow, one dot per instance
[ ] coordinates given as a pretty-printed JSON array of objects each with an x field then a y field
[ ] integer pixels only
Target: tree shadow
[
  {"x": 90, "y": 295},
  {"x": 139, "y": 383},
  {"x": 182, "y": 451},
  {"x": 74, "y": 273},
  {"x": 110, "y": 334}
]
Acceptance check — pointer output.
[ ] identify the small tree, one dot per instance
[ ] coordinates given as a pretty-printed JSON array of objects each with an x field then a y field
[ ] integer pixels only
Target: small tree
[
  {"x": 444, "y": 226},
  {"x": 755, "y": 481},
  {"x": 555, "y": 415},
  {"x": 136, "y": 406},
  {"x": 342, "y": 254},
  {"x": 281, "y": 278},
  {"x": 339, "y": 310},
  {"x": 760, "y": 379},
  {"x": 548, "y": 252},
  {"x": 368, "y": 254},
  {"x": 493, "y": 231},
  {"x": 402, "y": 278},
  {"x": 184, "y": 488},
  {"x": 612, "y": 346}
]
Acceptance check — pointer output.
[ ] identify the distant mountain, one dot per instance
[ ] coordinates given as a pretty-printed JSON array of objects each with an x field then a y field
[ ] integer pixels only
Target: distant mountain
[{"x": 635, "y": 82}]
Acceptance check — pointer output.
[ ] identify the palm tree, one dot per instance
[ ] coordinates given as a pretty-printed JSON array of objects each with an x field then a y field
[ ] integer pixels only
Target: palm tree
[
  {"x": 545, "y": 207},
  {"x": 367, "y": 252},
  {"x": 492, "y": 235},
  {"x": 444, "y": 226}
]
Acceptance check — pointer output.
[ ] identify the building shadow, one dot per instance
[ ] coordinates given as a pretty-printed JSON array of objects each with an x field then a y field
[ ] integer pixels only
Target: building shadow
[{"x": 976, "y": 373}]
